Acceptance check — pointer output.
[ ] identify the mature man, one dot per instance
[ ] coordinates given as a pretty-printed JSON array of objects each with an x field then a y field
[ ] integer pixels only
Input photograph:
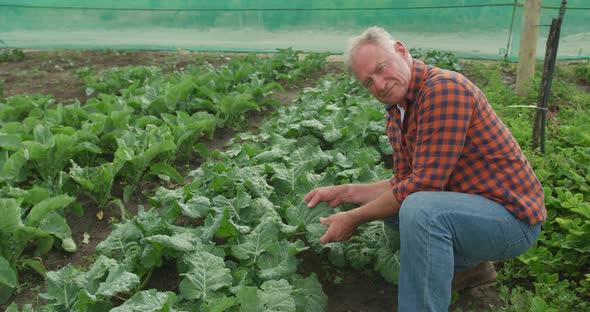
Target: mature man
[{"x": 463, "y": 193}]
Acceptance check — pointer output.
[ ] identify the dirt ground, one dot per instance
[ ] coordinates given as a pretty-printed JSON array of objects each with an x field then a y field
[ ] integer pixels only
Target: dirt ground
[{"x": 53, "y": 73}]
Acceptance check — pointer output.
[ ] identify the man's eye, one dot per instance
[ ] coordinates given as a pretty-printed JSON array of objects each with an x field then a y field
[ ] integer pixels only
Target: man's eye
[{"x": 380, "y": 69}]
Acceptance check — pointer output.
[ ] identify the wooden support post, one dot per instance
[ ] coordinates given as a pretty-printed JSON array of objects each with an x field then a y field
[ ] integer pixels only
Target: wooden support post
[
  {"x": 545, "y": 88},
  {"x": 528, "y": 45}
]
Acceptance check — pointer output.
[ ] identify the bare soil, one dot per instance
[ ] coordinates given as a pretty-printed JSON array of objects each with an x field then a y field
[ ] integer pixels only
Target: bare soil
[{"x": 52, "y": 72}]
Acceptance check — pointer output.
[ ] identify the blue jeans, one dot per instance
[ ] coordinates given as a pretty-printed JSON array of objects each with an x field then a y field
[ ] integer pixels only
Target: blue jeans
[{"x": 444, "y": 232}]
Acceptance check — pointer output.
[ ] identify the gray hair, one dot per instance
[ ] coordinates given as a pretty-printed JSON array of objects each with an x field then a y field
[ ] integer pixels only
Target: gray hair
[{"x": 375, "y": 35}]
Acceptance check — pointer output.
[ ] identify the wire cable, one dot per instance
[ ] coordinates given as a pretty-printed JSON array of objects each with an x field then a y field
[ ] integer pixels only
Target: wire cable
[{"x": 258, "y": 9}]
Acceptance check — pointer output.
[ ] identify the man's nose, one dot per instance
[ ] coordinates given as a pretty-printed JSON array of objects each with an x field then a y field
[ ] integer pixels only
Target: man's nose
[{"x": 380, "y": 83}]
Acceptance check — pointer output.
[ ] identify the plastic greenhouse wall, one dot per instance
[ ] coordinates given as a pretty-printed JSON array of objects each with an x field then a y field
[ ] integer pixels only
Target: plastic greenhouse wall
[{"x": 486, "y": 29}]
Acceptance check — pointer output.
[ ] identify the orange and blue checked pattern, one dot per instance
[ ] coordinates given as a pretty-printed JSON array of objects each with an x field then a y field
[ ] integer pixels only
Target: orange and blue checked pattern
[{"x": 452, "y": 140}]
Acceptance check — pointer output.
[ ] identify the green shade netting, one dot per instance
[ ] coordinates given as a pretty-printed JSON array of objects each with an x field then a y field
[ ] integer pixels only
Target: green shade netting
[{"x": 469, "y": 28}]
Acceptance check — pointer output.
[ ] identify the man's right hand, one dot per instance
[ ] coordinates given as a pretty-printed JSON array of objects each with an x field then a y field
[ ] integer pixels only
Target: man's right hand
[
  {"x": 333, "y": 195},
  {"x": 346, "y": 193}
]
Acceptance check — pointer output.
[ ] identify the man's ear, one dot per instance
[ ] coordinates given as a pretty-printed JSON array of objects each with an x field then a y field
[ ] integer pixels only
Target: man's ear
[{"x": 400, "y": 48}]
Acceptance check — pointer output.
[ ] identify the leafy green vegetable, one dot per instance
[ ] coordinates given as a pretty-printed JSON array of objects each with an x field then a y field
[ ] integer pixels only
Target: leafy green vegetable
[
  {"x": 8, "y": 280},
  {"x": 149, "y": 301},
  {"x": 206, "y": 275},
  {"x": 276, "y": 295},
  {"x": 308, "y": 294}
]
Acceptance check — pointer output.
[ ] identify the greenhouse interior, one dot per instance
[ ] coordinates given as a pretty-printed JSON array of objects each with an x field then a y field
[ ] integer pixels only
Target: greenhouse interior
[{"x": 201, "y": 155}]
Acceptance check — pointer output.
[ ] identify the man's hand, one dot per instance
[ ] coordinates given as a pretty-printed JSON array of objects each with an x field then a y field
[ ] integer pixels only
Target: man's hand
[
  {"x": 341, "y": 226},
  {"x": 347, "y": 193},
  {"x": 377, "y": 202},
  {"x": 333, "y": 195}
]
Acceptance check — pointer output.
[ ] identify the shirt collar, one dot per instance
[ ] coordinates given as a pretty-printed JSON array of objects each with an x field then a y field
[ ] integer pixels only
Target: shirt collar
[{"x": 419, "y": 71}]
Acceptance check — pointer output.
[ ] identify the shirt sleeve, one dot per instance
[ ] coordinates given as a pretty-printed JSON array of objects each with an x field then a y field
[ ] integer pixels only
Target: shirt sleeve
[
  {"x": 400, "y": 161},
  {"x": 401, "y": 168},
  {"x": 443, "y": 113}
]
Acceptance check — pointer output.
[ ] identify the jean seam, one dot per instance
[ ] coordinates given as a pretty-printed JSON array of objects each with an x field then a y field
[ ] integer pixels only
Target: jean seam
[
  {"x": 515, "y": 220},
  {"x": 509, "y": 247},
  {"x": 427, "y": 275},
  {"x": 525, "y": 237},
  {"x": 433, "y": 220}
]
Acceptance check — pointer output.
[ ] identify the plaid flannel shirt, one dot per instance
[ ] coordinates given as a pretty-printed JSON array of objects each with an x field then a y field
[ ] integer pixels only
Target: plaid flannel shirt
[{"x": 452, "y": 140}]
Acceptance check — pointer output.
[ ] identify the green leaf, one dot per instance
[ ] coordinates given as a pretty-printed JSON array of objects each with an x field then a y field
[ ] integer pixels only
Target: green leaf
[
  {"x": 277, "y": 262},
  {"x": 8, "y": 280},
  {"x": 55, "y": 224},
  {"x": 148, "y": 301},
  {"x": 276, "y": 296},
  {"x": 118, "y": 281},
  {"x": 96, "y": 181},
  {"x": 275, "y": 154},
  {"x": 176, "y": 242},
  {"x": 254, "y": 180},
  {"x": 13, "y": 307},
  {"x": 10, "y": 212},
  {"x": 36, "y": 264},
  {"x": 248, "y": 298},
  {"x": 123, "y": 237},
  {"x": 213, "y": 224},
  {"x": 303, "y": 216},
  {"x": 257, "y": 242},
  {"x": 219, "y": 304},
  {"x": 196, "y": 207},
  {"x": 314, "y": 125},
  {"x": 388, "y": 264},
  {"x": 124, "y": 153},
  {"x": 13, "y": 165},
  {"x": 309, "y": 295},
  {"x": 36, "y": 194},
  {"x": 88, "y": 302},
  {"x": 229, "y": 228},
  {"x": 61, "y": 292},
  {"x": 358, "y": 254},
  {"x": 10, "y": 142},
  {"x": 313, "y": 233},
  {"x": 43, "y": 240},
  {"x": 207, "y": 274},
  {"x": 167, "y": 170},
  {"x": 46, "y": 206},
  {"x": 582, "y": 209},
  {"x": 95, "y": 275}
]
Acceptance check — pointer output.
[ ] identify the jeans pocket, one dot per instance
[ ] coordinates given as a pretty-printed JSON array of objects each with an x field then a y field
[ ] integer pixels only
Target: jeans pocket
[{"x": 522, "y": 244}]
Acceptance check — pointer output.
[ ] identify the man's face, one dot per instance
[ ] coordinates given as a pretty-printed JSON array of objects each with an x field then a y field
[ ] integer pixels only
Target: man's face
[{"x": 385, "y": 74}]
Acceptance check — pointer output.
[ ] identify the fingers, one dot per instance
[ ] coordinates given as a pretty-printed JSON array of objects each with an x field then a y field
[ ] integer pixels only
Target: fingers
[
  {"x": 326, "y": 194},
  {"x": 341, "y": 226},
  {"x": 310, "y": 195},
  {"x": 335, "y": 202},
  {"x": 314, "y": 201},
  {"x": 332, "y": 195},
  {"x": 312, "y": 198},
  {"x": 328, "y": 236}
]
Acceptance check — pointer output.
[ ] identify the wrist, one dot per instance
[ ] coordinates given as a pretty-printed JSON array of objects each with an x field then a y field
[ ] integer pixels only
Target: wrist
[
  {"x": 347, "y": 191},
  {"x": 357, "y": 215}
]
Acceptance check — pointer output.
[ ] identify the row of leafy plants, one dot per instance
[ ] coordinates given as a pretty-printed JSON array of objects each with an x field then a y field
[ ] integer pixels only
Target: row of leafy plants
[
  {"x": 234, "y": 230},
  {"x": 140, "y": 123}
]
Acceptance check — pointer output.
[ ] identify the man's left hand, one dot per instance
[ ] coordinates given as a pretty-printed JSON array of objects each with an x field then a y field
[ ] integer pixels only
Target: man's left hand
[{"x": 341, "y": 226}]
